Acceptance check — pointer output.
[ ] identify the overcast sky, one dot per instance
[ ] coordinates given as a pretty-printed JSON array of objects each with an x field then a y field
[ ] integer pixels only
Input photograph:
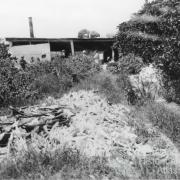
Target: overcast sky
[{"x": 64, "y": 18}]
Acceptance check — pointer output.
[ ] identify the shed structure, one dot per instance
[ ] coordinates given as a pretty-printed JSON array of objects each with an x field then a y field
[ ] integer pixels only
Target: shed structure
[{"x": 70, "y": 45}]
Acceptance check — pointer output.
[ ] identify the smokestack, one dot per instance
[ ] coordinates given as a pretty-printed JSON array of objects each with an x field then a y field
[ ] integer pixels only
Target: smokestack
[{"x": 31, "y": 27}]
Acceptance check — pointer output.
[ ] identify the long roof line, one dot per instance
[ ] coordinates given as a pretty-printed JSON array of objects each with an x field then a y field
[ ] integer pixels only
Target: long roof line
[{"x": 15, "y": 39}]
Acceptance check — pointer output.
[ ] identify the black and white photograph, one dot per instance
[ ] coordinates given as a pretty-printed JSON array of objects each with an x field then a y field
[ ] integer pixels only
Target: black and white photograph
[{"x": 89, "y": 89}]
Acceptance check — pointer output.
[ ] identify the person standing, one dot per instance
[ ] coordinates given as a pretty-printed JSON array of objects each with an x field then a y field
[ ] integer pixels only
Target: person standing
[
  {"x": 23, "y": 63},
  {"x": 96, "y": 57}
]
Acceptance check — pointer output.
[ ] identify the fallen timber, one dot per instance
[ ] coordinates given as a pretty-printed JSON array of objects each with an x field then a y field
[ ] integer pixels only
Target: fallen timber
[{"x": 34, "y": 118}]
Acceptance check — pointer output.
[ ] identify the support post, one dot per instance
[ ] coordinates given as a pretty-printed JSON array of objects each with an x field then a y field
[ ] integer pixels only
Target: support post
[
  {"x": 10, "y": 44},
  {"x": 72, "y": 47},
  {"x": 113, "y": 54}
]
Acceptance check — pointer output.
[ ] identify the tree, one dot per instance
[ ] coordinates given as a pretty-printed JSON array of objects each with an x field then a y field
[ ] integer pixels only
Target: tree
[
  {"x": 94, "y": 34},
  {"x": 84, "y": 33},
  {"x": 154, "y": 34}
]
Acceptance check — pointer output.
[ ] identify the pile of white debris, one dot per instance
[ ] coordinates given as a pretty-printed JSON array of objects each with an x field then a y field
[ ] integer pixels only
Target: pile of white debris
[
  {"x": 97, "y": 128},
  {"x": 148, "y": 81}
]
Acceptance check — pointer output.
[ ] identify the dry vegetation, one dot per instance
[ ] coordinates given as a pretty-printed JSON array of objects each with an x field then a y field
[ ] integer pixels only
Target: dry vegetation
[
  {"x": 88, "y": 123},
  {"x": 105, "y": 136}
]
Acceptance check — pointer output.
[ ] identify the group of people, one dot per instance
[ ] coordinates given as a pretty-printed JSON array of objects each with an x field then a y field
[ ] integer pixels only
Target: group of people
[
  {"x": 23, "y": 63},
  {"x": 98, "y": 58}
]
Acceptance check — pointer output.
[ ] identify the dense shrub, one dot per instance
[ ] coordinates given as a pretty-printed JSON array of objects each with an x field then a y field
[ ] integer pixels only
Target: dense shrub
[
  {"x": 153, "y": 35},
  {"x": 81, "y": 66},
  {"x": 13, "y": 82},
  {"x": 24, "y": 86},
  {"x": 115, "y": 87},
  {"x": 46, "y": 84},
  {"x": 84, "y": 33},
  {"x": 129, "y": 64}
]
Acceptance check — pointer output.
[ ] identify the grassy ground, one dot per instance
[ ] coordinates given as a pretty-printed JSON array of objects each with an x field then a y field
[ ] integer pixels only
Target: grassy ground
[{"x": 64, "y": 163}]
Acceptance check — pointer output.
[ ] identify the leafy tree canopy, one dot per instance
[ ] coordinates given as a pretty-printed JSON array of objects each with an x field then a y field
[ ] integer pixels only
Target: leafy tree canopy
[
  {"x": 153, "y": 33},
  {"x": 94, "y": 34},
  {"x": 84, "y": 33}
]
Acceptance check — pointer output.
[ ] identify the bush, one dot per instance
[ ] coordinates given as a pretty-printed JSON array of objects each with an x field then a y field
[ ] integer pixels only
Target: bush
[
  {"x": 46, "y": 84},
  {"x": 130, "y": 64},
  {"x": 68, "y": 162},
  {"x": 153, "y": 34},
  {"x": 162, "y": 117},
  {"x": 81, "y": 67},
  {"x": 115, "y": 87},
  {"x": 26, "y": 86},
  {"x": 13, "y": 82},
  {"x": 172, "y": 90}
]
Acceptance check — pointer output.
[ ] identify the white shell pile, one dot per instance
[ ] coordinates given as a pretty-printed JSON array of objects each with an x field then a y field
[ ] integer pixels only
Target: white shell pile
[
  {"x": 96, "y": 126},
  {"x": 101, "y": 129},
  {"x": 148, "y": 80}
]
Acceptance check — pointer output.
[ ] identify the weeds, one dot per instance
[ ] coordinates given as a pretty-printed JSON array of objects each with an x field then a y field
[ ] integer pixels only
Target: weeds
[
  {"x": 159, "y": 116},
  {"x": 152, "y": 168},
  {"x": 35, "y": 165},
  {"x": 107, "y": 84},
  {"x": 21, "y": 87},
  {"x": 165, "y": 119}
]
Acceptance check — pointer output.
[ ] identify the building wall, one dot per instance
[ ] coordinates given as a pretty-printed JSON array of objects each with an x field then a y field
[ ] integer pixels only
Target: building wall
[{"x": 37, "y": 52}]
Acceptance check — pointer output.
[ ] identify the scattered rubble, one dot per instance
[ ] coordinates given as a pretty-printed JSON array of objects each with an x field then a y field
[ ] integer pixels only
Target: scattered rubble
[{"x": 83, "y": 120}]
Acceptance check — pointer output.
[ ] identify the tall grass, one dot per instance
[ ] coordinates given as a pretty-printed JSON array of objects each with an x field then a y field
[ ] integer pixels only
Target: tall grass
[
  {"x": 69, "y": 163},
  {"x": 107, "y": 84},
  {"x": 152, "y": 168},
  {"x": 166, "y": 120}
]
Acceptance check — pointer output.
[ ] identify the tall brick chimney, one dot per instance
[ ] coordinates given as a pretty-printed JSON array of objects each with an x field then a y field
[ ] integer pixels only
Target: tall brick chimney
[{"x": 31, "y": 27}]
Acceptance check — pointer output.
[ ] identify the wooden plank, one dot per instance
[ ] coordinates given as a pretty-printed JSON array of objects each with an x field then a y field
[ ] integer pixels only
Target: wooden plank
[{"x": 72, "y": 47}]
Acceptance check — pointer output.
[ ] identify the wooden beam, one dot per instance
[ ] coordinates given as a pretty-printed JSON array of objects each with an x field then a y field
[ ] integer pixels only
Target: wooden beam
[
  {"x": 113, "y": 54},
  {"x": 72, "y": 47},
  {"x": 10, "y": 44}
]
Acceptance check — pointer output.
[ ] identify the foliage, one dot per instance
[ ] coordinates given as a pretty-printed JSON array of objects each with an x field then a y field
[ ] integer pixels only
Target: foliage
[
  {"x": 70, "y": 162},
  {"x": 115, "y": 87},
  {"x": 24, "y": 86},
  {"x": 81, "y": 67},
  {"x": 84, "y": 33},
  {"x": 153, "y": 168},
  {"x": 153, "y": 35},
  {"x": 13, "y": 82},
  {"x": 94, "y": 34},
  {"x": 46, "y": 84},
  {"x": 172, "y": 90},
  {"x": 129, "y": 64},
  {"x": 149, "y": 122},
  {"x": 3, "y": 51},
  {"x": 161, "y": 116}
]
